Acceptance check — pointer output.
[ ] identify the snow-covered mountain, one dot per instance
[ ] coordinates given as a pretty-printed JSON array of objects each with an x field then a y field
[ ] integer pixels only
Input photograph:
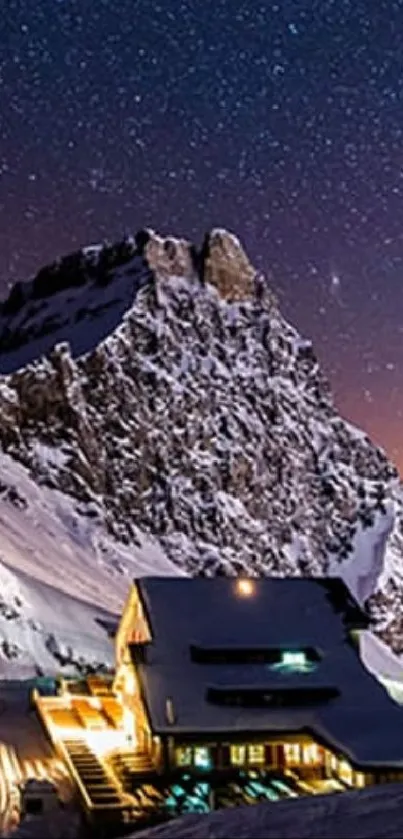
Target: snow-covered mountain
[{"x": 161, "y": 414}]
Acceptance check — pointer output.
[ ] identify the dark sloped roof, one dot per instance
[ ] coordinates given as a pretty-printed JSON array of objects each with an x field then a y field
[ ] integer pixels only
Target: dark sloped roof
[{"x": 287, "y": 613}]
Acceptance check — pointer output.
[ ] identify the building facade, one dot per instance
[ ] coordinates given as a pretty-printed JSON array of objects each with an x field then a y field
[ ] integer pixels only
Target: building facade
[{"x": 222, "y": 674}]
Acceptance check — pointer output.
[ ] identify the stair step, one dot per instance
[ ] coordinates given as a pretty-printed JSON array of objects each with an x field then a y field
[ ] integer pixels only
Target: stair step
[
  {"x": 135, "y": 766},
  {"x": 137, "y": 762}
]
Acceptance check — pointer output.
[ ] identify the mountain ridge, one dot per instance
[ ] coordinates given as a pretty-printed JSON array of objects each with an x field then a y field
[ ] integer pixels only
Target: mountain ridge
[{"x": 26, "y": 314}]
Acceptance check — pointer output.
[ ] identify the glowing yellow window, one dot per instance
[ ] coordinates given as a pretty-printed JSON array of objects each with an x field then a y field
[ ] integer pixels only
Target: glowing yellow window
[
  {"x": 334, "y": 764},
  {"x": 256, "y": 754},
  {"x": 292, "y": 753},
  {"x": 310, "y": 753},
  {"x": 345, "y": 771},
  {"x": 238, "y": 755},
  {"x": 183, "y": 756},
  {"x": 359, "y": 779}
]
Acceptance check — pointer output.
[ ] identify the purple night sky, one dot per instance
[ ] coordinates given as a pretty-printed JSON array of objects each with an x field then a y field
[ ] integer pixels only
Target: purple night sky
[{"x": 281, "y": 121}]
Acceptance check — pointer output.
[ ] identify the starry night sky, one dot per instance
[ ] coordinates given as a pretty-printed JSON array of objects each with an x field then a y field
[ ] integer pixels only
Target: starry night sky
[{"x": 281, "y": 121}]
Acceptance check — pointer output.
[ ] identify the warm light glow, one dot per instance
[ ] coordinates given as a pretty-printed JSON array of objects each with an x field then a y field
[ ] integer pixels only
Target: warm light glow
[
  {"x": 238, "y": 755},
  {"x": 28, "y": 769},
  {"x": 245, "y": 588},
  {"x": 256, "y": 754},
  {"x": 15, "y": 765},
  {"x": 101, "y": 743},
  {"x": 184, "y": 756},
  {"x": 129, "y": 726},
  {"x": 133, "y": 627},
  {"x": 7, "y": 771},
  {"x": 130, "y": 681},
  {"x": 292, "y": 753},
  {"x": 345, "y": 771},
  {"x": 310, "y": 753},
  {"x": 66, "y": 732}
]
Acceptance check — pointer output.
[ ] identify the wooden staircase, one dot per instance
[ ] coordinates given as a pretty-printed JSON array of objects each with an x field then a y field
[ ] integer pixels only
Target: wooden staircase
[
  {"x": 96, "y": 784},
  {"x": 132, "y": 768}
]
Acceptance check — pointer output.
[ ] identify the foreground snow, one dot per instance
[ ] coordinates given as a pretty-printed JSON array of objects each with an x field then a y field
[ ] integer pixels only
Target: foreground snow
[
  {"x": 61, "y": 576},
  {"x": 374, "y": 812},
  {"x": 58, "y": 825}
]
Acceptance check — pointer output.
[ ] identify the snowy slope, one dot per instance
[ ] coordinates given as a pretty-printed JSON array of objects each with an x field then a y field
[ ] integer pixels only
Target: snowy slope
[
  {"x": 34, "y": 329},
  {"x": 61, "y": 576},
  {"x": 181, "y": 408},
  {"x": 373, "y": 813}
]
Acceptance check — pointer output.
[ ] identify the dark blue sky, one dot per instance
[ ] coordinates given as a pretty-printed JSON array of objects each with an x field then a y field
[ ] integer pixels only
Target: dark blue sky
[{"x": 282, "y": 121}]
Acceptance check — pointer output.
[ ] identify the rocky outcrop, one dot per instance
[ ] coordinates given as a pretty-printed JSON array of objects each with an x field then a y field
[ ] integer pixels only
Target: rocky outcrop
[
  {"x": 169, "y": 257},
  {"x": 221, "y": 262},
  {"x": 225, "y": 266}
]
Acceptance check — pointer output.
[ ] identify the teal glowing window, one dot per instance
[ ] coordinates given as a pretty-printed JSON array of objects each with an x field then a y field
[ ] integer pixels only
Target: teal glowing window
[
  {"x": 294, "y": 661},
  {"x": 202, "y": 758}
]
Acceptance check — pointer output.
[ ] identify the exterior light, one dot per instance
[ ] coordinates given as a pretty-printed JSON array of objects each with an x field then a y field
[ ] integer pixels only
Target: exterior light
[{"x": 245, "y": 588}]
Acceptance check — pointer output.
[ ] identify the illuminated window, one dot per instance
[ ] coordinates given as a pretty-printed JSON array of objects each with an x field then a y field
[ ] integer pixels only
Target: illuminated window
[
  {"x": 183, "y": 756},
  {"x": 345, "y": 771},
  {"x": 238, "y": 755},
  {"x": 310, "y": 753},
  {"x": 359, "y": 779},
  {"x": 293, "y": 659},
  {"x": 202, "y": 757},
  {"x": 334, "y": 762},
  {"x": 256, "y": 754},
  {"x": 292, "y": 753}
]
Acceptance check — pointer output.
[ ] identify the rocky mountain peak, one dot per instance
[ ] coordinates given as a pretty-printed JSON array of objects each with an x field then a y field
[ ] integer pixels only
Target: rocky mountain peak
[
  {"x": 159, "y": 386},
  {"x": 221, "y": 262},
  {"x": 226, "y": 266},
  {"x": 168, "y": 256}
]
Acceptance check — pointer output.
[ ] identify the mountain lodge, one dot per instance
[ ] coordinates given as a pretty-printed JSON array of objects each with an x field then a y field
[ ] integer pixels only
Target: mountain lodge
[
  {"x": 226, "y": 690},
  {"x": 260, "y": 672}
]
